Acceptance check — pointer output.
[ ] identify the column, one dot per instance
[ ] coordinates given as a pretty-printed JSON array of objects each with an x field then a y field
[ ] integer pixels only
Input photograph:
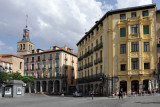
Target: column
[
  {"x": 40, "y": 86},
  {"x": 47, "y": 86},
  {"x": 35, "y": 86},
  {"x": 53, "y": 86},
  {"x": 60, "y": 86},
  {"x": 129, "y": 86}
]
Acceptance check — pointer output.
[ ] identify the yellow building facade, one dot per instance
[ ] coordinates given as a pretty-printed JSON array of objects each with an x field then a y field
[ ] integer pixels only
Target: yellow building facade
[{"x": 129, "y": 53}]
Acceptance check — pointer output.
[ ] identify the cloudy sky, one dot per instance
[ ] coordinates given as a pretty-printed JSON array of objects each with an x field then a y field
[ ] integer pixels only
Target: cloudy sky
[{"x": 53, "y": 22}]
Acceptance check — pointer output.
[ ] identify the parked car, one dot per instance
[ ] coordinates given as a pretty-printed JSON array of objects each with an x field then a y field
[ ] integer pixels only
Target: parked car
[{"x": 77, "y": 94}]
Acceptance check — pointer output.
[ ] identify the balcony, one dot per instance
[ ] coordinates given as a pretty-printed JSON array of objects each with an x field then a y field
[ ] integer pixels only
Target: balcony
[
  {"x": 50, "y": 67},
  {"x": 66, "y": 66},
  {"x": 32, "y": 69},
  {"x": 64, "y": 76},
  {"x": 80, "y": 58},
  {"x": 99, "y": 60},
  {"x": 38, "y": 69},
  {"x": 96, "y": 61},
  {"x": 44, "y": 68},
  {"x": 43, "y": 59},
  {"x": 50, "y": 58},
  {"x": 32, "y": 61},
  {"x": 90, "y": 64},
  {"x": 10, "y": 68},
  {"x": 65, "y": 59},
  {"x": 57, "y": 58},
  {"x": 38, "y": 60},
  {"x": 99, "y": 46},
  {"x": 93, "y": 78},
  {"x": 90, "y": 51}
]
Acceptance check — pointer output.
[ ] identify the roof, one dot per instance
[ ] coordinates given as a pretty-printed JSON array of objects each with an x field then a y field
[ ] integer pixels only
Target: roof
[
  {"x": 16, "y": 82},
  {"x": 53, "y": 50},
  {"x": 10, "y": 55},
  {"x": 4, "y": 60},
  {"x": 117, "y": 11}
]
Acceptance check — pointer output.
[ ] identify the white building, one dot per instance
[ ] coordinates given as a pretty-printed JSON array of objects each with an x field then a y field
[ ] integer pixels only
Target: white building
[{"x": 5, "y": 65}]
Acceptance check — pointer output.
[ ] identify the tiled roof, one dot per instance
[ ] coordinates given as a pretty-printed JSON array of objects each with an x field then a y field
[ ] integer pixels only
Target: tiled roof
[
  {"x": 9, "y": 55},
  {"x": 4, "y": 60}
]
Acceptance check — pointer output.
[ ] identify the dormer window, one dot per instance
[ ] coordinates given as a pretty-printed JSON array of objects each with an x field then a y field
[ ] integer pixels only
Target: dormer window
[
  {"x": 122, "y": 16},
  {"x": 145, "y": 13}
]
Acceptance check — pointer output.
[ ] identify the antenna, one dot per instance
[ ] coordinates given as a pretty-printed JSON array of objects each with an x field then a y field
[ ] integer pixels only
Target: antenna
[{"x": 26, "y": 20}]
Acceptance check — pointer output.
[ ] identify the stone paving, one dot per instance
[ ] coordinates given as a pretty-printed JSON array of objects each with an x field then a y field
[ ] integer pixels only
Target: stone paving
[{"x": 38, "y": 100}]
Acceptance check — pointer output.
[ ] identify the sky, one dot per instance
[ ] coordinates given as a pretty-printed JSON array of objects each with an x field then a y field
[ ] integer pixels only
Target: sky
[{"x": 53, "y": 22}]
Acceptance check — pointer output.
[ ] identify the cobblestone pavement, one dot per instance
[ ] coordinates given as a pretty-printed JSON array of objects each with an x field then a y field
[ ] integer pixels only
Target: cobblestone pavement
[{"x": 38, "y": 100}]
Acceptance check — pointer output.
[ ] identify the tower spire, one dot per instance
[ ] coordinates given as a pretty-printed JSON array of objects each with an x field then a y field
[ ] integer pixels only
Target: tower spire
[{"x": 26, "y": 20}]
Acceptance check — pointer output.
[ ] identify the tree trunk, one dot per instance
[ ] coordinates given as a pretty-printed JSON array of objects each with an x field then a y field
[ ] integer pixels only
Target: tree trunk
[{"x": 29, "y": 84}]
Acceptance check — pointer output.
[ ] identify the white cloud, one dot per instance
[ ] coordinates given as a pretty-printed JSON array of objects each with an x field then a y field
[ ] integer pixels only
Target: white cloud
[
  {"x": 131, "y": 3},
  {"x": 2, "y": 43},
  {"x": 50, "y": 21}
]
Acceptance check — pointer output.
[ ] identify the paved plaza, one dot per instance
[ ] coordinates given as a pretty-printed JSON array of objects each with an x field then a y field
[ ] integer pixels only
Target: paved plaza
[{"x": 38, "y": 100}]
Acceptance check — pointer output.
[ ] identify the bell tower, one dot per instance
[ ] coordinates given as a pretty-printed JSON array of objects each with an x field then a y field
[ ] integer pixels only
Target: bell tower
[{"x": 25, "y": 46}]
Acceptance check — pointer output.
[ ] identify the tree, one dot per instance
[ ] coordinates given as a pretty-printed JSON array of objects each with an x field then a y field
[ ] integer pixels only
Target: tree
[
  {"x": 16, "y": 76},
  {"x": 28, "y": 80},
  {"x": 5, "y": 77}
]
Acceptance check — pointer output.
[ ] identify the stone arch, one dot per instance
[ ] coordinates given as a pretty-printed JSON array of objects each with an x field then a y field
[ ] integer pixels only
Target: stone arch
[
  {"x": 44, "y": 86},
  {"x": 123, "y": 85},
  {"x": 57, "y": 86},
  {"x": 135, "y": 86},
  {"x": 50, "y": 86},
  {"x": 38, "y": 86}
]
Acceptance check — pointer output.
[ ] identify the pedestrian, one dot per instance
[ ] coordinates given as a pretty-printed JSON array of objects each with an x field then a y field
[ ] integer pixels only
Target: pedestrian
[
  {"x": 120, "y": 93},
  {"x": 62, "y": 93},
  {"x": 92, "y": 94}
]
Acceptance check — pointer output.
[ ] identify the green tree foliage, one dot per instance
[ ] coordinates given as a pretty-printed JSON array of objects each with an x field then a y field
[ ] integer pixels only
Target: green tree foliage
[
  {"x": 5, "y": 77},
  {"x": 27, "y": 79},
  {"x": 16, "y": 76}
]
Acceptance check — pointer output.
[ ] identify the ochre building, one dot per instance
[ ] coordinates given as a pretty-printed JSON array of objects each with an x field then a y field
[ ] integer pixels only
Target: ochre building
[{"x": 119, "y": 51}]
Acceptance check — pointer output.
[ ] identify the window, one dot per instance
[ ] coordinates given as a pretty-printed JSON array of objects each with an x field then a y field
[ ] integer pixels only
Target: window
[
  {"x": 44, "y": 57},
  {"x": 145, "y": 13},
  {"x": 122, "y": 32},
  {"x": 123, "y": 67},
  {"x": 32, "y": 67},
  {"x": 101, "y": 39},
  {"x": 57, "y": 63},
  {"x": 50, "y": 56},
  {"x": 20, "y": 65},
  {"x": 23, "y": 46},
  {"x": 27, "y": 59},
  {"x": 134, "y": 46},
  {"x": 38, "y": 66},
  {"x": 146, "y": 66},
  {"x": 57, "y": 55},
  {"x": 134, "y": 29},
  {"x": 146, "y": 46},
  {"x": 38, "y": 58},
  {"x": 32, "y": 59},
  {"x": 122, "y": 16},
  {"x": 146, "y": 29},
  {"x": 135, "y": 63},
  {"x": 123, "y": 48},
  {"x": 97, "y": 42},
  {"x": 133, "y": 14}
]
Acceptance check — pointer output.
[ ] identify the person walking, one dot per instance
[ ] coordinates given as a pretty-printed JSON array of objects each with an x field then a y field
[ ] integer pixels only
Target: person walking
[
  {"x": 92, "y": 94},
  {"x": 120, "y": 94}
]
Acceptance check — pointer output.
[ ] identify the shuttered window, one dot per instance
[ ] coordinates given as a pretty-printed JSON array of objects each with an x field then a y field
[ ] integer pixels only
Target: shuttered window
[
  {"x": 146, "y": 29},
  {"x": 122, "y": 32}
]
